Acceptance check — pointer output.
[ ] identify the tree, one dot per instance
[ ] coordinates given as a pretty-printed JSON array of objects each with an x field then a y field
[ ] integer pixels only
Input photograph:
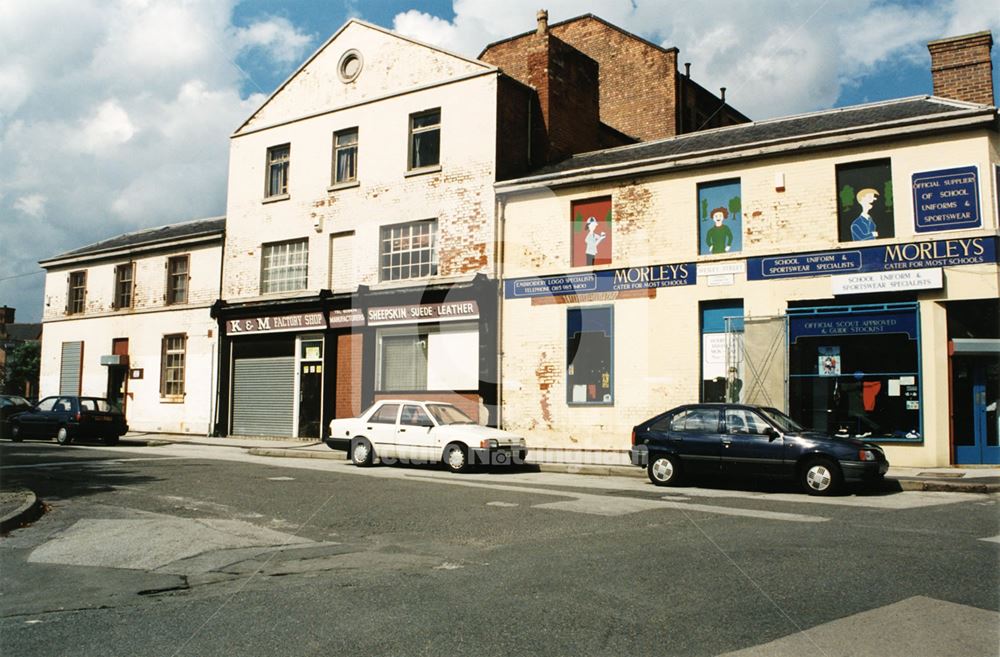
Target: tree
[
  {"x": 734, "y": 207},
  {"x": 23, "y": 363},
  {"x": 847, "y": 197}
]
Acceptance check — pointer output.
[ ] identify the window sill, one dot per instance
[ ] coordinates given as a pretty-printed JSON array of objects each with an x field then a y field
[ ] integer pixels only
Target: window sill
[
  {"x": 172, "y": 399},
  {"x": 422, "y": 171},
  {"x": 275, "y": 199},
  {"x": 344, "y": 185}
]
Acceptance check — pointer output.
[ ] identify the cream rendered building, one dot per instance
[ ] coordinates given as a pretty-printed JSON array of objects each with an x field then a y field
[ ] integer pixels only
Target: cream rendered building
[
  {"x": 129, "y": 319},
  {"x": 891, "y": 334}
]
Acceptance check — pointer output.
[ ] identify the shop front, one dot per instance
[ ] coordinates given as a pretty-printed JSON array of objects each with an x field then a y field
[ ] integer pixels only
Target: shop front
[{"x": 288, "y": 368}]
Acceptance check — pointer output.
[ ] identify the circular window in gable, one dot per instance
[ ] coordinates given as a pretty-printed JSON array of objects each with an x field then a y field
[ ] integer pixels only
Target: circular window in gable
[{"x": 350, "y": 66}]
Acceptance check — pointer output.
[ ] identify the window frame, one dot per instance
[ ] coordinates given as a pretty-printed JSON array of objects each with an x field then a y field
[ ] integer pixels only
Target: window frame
[
  {"x": 283, "y": 164},
  {"x": 386, "y": 240},
  {"x": 167, "y": 350},
  {"x": 338, "y": 149},
  {"x": 123, "y": 298},
  {"x": 171, "y": 297},
  {"x": 76, "y": 294},
  {"x": 414, "y": 132},
  {"x": 277, "y": 286},
  {"x": 570, "y": 366}
]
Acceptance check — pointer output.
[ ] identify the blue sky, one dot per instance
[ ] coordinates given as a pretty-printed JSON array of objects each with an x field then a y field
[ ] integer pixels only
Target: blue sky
[{"x": 115, "y": 115}]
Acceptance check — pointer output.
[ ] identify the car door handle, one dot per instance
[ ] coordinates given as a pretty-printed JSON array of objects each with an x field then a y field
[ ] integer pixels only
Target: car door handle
[
  {"x": 402, "y": 429},
  {"x": 727, "y": 443}
]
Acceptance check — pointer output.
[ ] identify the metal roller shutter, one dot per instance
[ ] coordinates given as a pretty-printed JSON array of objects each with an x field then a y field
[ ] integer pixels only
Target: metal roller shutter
[
  {"x": 263, "y": 396},
  {"x": 69, "y": 368}
]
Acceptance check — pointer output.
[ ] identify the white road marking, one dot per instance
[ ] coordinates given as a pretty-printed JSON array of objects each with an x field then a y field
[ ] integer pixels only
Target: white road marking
[
  {"x": 281, "y": 478},
  {"x": 916, "y": 627},
  {"x": 503, "y": 504},
  {"x": 991, "y": 539}
]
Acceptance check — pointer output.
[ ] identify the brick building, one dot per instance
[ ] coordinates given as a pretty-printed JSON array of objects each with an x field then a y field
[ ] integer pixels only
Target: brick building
[{"x": 841, "y": 265}]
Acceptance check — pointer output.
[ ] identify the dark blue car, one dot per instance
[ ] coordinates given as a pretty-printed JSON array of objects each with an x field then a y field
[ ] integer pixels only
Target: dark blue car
[
  {"x": 743, "y": 440},
  {"x": 69, "y": 418}
]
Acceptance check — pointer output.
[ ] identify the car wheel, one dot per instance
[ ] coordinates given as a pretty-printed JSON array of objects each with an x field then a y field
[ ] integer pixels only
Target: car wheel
[
  {"x": 664, "y": 470},
  {"x": 62, "y": 436},
  {"x": 110, "y": 440},
  {"x": 821, "y": 477},
  {"x": 362, "y": 454},
  {"x": 15, "y": 432},
  {"x": 455, "y": 458}
]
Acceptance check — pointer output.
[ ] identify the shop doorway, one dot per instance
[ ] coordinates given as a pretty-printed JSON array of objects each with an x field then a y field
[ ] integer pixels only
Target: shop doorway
[
  {"x": 975, "y": 393},
  {"x": 310, "y": 399},
  {"x": 310, "y": 382},
  {"x": 117, "y": 392}
]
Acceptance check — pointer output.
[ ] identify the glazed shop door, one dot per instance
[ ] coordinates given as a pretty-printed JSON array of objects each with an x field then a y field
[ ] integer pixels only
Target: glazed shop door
[
  {"x": 975, "y": 391},
  {"x": 310, "y": 387}
]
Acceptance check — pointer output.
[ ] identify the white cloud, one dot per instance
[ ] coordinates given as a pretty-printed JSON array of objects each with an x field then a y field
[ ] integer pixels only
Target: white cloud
[
  {"x": 109, "y": 126},
  {"x": 32, "y": 205},
  {"x": 115, "y": 115},
  {"x": 775, "y": 58},
  {"x": 276, "y": 35}
]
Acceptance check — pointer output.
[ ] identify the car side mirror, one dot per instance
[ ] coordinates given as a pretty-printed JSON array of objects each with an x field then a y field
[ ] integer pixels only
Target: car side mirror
[{"x": 770, "y": 433}]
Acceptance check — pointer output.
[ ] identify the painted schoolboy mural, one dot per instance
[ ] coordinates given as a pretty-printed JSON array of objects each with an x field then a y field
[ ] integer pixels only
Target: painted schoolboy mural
[
  {"x": 591, "y": 232},
  {"x": 864, "y": 193},
  {"x": 720, "y": 209}
]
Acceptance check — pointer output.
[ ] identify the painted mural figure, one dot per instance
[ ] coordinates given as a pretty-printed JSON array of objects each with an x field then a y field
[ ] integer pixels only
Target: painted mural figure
[
  {"x": 719, "y": 238},
  {"x": 592, "y": 240},
  {"x": 864, "y": 228}
]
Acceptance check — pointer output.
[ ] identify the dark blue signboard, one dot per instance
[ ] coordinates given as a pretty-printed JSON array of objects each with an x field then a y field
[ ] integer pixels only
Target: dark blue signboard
[
  {"x": 891, "y": 257},
  {"x": 609, "y": 280},
  {"x": 843, "y": 324},
  {"x": 946, "y": 200}
]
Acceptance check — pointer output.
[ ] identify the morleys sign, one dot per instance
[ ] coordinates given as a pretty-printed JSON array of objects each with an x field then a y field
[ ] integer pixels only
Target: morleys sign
[
  {"x": 946, "y": 200},
  {"x": 891, "y": 257},
  {"x": 608, "y": 280}
]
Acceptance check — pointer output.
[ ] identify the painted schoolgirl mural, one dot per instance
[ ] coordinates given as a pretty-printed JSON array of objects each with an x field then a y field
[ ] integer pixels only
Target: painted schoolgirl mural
[
  {"x": 720, "y": 209},
  {"x": 864, "y": 193},
  {"x": 591, "y": 232}
]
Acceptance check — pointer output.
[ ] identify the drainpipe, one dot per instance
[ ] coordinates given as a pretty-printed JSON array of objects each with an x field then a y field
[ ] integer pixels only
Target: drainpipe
[{"x": 501, "y": 223}]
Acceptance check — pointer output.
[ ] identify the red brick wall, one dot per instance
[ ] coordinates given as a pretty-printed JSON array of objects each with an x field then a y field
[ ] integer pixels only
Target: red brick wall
[
  {"x": 518, "y": 112},
  {"x": 637, "y": 79},
  {"x": 961, "y": 68},
  {"x": 349, "y": 352},
  {"x": 566, "y": 83},
  {"x": 467, "y": 402}
]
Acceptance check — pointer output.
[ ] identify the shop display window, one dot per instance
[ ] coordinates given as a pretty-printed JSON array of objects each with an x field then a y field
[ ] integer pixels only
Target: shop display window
[
  {"x": 855, "y": 371},
  {"x": 589, "y": 350}
]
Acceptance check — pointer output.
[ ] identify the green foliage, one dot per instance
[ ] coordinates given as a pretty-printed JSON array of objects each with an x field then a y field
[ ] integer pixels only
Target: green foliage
[
  {"x": 23, "y": 363},
  {"x": 578, "y": 223},
  {"x": 735, "y": 207},
  {"x": 704, "y": 209},
  {"x": 847, "y": 194},
  {"x": 887, "y": 194},
  {"x": 607, "y": 218}
]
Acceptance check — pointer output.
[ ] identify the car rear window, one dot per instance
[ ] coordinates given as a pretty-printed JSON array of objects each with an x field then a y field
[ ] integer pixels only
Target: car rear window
[
  {"x": 99, "y": 405},
  {"x": 700, "y": 420},
  {"x": 386, "y": 414}
]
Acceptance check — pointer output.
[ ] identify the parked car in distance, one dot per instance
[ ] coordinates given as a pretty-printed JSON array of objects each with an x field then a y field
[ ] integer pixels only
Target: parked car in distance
[
  {"x": 743, "y": 440},
  {"x": 11, "y": 405},
  {"x": 423, "y": 432},
  {"x": 69, "y": 418}
]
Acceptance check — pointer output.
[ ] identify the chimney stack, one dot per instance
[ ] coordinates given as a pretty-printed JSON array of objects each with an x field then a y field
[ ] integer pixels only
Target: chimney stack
[
  {"x": 961, "y": 68},
  {"x": 543, "y": 22}
]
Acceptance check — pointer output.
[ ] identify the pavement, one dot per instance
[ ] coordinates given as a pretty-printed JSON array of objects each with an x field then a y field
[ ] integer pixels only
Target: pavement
[{"x": 20, "y": 506}]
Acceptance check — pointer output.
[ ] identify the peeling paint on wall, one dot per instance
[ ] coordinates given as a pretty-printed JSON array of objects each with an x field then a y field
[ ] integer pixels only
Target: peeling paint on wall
[{"x": 632, "y": 208}]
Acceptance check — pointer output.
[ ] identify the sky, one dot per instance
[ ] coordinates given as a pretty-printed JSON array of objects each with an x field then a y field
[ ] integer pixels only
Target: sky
[{"x": 115, "y": 115}]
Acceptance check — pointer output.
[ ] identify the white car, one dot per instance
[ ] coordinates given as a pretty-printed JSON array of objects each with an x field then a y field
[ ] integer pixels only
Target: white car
[{"x": 423, "y": 432}]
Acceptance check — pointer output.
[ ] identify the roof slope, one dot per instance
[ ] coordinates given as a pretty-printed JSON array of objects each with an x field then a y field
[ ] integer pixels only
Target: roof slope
[
  {"x": 904, "y": 111},
  {"x": 187, "y": 229}
]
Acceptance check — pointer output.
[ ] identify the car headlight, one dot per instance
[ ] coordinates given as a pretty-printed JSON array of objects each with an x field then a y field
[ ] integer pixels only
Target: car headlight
[
  {"x": 490, "y": 443},
  {"x": 867, "y": 455}
]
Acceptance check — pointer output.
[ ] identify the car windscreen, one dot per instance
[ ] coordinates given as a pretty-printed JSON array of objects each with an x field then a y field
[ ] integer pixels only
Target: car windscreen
[
  {"x": 447, "y": 414},
  {"x": 14, "y": 400},
  {"x": 784, "y": 423}
]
